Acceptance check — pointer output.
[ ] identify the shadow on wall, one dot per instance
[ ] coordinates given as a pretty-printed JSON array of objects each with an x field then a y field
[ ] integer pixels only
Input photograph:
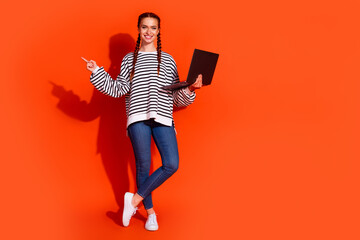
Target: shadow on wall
[{"x": 112, "y": 144}]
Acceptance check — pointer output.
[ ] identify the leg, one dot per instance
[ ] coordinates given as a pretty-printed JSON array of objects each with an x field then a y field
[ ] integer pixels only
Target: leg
[
  {"x": 140, "y": 137},
  {"x": 165, "y": 140}
]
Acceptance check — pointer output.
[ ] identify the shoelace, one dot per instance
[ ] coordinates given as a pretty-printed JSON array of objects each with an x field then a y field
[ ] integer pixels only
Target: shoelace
[
  {"x": 134, "y": 211},
  {"x": 132, "y": 214},
  {"x": 152, "y": 218}
]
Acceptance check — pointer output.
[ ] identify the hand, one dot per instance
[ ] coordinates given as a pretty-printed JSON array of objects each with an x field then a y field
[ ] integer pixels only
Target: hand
[
  {"x": 90, "y": 65},
  {"x": 57, "y": 91},
  {"x": 197, "y": 84}
]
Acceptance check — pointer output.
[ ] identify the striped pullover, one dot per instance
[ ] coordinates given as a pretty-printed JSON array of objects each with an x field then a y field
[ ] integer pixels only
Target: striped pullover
[{"x": 144, "y": 96}]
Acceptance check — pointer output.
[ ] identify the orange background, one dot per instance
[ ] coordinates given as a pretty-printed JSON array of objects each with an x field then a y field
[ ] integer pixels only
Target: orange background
[{"x": 268, "y": 151}]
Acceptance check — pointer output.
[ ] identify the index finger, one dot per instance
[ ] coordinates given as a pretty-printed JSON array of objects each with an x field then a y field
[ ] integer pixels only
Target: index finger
[{"x": 84, "y": 59}]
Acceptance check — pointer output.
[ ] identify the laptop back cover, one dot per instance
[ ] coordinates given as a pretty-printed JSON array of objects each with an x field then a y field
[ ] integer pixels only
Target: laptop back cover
[{"x": 204, "y": 63}]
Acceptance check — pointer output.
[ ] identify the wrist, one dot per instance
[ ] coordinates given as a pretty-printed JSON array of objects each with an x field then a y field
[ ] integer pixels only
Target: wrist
[{"x": 95, "y": 70}]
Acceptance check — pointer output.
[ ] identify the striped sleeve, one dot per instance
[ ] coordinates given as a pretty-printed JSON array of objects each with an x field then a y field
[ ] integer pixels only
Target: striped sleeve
[
  {"x": 182, "y": 97},
  {"x": 103, "y": 82}
]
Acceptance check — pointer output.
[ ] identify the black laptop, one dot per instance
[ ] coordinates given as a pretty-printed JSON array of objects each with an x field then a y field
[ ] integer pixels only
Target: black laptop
[{"x": 202, "y": 62}]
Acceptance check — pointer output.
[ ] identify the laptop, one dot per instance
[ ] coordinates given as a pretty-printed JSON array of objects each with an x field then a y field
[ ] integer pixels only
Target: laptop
[{"x": 202, "y": 62}]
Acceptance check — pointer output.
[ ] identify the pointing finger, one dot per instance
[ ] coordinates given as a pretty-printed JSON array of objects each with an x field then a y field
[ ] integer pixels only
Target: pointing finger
[{"x": 84, "y": 59}]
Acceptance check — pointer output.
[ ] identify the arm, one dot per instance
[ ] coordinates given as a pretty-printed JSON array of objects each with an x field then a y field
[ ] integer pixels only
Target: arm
[
  {"x": 183, "y": 97},
  {"x": 103, "y": 82}
]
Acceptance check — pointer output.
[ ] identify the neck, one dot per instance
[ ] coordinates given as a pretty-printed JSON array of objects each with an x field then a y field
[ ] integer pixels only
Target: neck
[{"x": 147, "y": 47}]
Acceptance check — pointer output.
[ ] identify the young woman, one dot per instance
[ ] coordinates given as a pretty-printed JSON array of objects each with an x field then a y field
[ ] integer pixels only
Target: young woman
[{"x": 149, "y": 111}]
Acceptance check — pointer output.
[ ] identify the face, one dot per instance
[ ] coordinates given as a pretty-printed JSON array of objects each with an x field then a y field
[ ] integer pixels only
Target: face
[{"x": 148, "y": 29}]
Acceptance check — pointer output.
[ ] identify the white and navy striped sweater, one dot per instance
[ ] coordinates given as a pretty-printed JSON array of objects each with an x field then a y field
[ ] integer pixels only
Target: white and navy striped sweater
[{"x": 144, "y": 96}]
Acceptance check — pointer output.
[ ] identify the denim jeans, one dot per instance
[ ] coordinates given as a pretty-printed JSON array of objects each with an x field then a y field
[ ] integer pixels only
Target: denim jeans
[{"x": 165, "y": 139}]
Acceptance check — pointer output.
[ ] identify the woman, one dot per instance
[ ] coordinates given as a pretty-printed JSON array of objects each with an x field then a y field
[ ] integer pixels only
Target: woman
[{"x": 149, "y": 111}]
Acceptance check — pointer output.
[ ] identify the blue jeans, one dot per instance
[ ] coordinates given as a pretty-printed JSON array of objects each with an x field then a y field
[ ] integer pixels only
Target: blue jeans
[{"x": 165, "y": 139}]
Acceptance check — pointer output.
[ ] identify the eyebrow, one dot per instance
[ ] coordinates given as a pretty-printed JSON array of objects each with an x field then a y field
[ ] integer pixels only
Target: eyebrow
[{"x": 147, "y": 25}]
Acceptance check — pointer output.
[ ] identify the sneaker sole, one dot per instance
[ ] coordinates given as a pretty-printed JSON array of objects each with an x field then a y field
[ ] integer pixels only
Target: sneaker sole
[{"x": 152, "y": 230}]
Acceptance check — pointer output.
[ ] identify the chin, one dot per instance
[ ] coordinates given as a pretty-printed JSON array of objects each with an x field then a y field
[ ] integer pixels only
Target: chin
[{"x": 148, "y": 42}]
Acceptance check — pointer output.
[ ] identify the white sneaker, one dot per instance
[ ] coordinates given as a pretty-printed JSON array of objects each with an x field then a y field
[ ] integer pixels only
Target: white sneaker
[
  {"x": 129, "y": 210},
  {"x": 151, "y": 223}
]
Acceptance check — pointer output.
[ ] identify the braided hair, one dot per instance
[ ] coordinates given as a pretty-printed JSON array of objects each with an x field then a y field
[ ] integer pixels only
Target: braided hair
[
  {"x": 136, "y": 52},
  {"x": 137, "y": 47},
  {"x": 158, "y": 48}
]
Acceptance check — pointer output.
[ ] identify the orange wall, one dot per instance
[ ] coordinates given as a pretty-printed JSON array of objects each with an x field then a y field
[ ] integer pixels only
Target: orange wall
[{"x": 268, "y": 151}]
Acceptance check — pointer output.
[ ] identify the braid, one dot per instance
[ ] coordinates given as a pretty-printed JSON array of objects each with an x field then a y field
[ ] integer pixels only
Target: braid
[
  {"x": 137, "y": 47},
  {"x": 158, "y": 48}
]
